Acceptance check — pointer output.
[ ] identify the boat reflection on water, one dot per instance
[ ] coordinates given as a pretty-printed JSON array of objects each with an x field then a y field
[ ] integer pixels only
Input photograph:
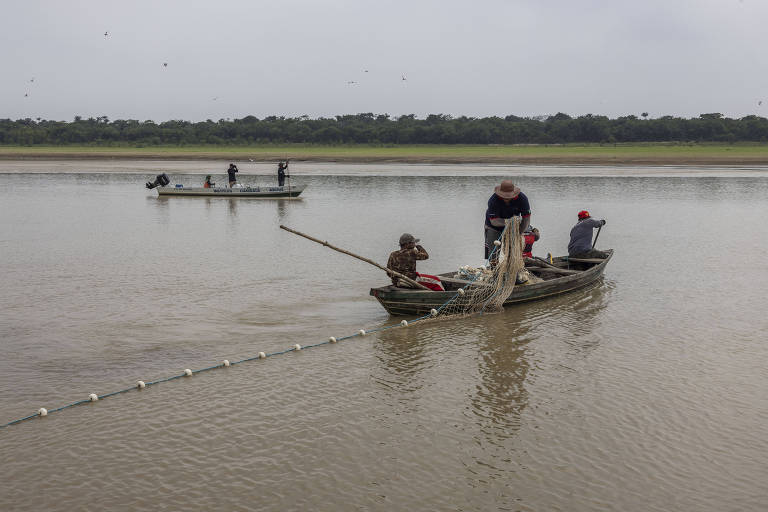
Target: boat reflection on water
[{"x": 503, "y": 346}]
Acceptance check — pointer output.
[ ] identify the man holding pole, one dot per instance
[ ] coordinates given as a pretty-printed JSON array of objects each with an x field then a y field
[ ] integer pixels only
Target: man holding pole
[
  {"x": 281, "y": 168},
  {"x": 581, "y": 245},
  {"x": 404, "y": 262}
]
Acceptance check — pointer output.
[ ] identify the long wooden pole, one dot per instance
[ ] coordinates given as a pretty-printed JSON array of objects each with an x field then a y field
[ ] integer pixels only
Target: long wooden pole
[
  {"x": 387, "y": 270},
  {"x": 597, "y": 235}
]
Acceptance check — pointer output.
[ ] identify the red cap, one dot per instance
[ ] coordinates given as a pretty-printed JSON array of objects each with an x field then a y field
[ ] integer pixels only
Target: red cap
[{"x": 583, "y": 214}]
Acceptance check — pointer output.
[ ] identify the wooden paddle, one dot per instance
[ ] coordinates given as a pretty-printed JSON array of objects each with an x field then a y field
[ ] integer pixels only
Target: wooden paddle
[{"x": 387, "y": 270}]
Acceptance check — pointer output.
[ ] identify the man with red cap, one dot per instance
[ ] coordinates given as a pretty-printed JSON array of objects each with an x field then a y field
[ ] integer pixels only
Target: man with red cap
[
  {"x": 580, "y": 245},
  {"x": 506, "y": 202}
]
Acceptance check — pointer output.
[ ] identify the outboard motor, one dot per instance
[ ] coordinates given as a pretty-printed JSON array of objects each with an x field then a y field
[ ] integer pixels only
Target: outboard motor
[{"x": 161, "y": 181}]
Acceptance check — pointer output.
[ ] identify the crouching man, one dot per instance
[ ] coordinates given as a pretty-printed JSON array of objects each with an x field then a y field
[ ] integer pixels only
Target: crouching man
[
  {"x": 580, "y": 245},
  {"x": 404, "y": 260}
]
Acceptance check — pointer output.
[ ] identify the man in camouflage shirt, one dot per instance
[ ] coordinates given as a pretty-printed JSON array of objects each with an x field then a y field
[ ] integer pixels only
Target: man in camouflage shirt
[{"x": 404, "y": 260}]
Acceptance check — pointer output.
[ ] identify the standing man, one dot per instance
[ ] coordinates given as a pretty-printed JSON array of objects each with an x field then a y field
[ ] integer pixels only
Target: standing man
[
  {"x": 281, "y": 168},
  {"x": 231, "y": 172},
  {"x": 506, "y": 202},
  {"x": 580, "y": 245}
]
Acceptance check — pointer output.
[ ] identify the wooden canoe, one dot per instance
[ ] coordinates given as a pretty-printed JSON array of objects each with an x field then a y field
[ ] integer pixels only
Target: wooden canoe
[{"x": 569, "y": 275}]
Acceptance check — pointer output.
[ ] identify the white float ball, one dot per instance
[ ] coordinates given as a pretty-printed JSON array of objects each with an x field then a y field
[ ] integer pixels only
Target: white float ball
[
  {"x": 225, "y": 363},
  {"x": 42, "y": 411},
  {"x": 361, "y": 332},
  {"x": 461, "y": 291},
  {"x": 297, "y": 347},
  {"x": 497, "y": 242},
  {"x": 188, "y": 372},
  {"x": 93, "y": 397},
  {"x": 433, "y": 312},
  {"x": 332, "y": 339},
  {"x": 140, "y": 384},
  {"x": 262, "y": 355},
  {"x": 404, "y": 323}
]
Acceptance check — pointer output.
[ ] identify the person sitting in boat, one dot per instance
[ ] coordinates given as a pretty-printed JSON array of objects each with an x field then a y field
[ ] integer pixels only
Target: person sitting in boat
[
  {"x": 208, "y": 183},
  {"x": 404, "y": 262},
  {"x": 231, "y": 172},
  {"x": 281, "y": 168},
  {"x": 580, "y": 245},
  {"x": 506, "y": 202},
  {"x": 529, "y": 237}
]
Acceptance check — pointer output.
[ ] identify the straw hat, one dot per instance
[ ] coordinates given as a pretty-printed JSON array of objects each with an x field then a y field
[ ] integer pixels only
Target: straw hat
[{"x": 507, "y": 190}]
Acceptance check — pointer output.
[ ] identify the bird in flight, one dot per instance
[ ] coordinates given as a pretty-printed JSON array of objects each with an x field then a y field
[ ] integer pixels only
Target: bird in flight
[
  {"x": 26, "y": 94},
  {"x": 403, "y": 76},
  {"x": 32, "y": 79},
  {"x": 165, "y": 64},
  {"x": 214, "y": 99},
  {"x": 760, "y": 102},
  {"x": 106, "y": 34},
  {"x": 351, "y": 82}
]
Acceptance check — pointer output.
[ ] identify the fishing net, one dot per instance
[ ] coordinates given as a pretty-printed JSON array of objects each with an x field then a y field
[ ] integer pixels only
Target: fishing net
[{"x": 488, "y": 287}]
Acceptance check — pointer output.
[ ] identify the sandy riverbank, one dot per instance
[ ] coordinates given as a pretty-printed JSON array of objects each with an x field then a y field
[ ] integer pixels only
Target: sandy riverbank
[{"x": 693, "y": 155}]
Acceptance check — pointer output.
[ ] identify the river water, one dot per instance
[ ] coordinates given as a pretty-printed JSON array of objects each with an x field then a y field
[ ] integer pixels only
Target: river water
[{"x": 646, "y": 392}]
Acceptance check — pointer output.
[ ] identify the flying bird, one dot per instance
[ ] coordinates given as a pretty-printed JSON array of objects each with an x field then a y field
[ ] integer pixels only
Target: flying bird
[
  {"x": 106, "y": 34},
  {"x": 403, "y": 77},
  {"x": 350, "y": 82},
  {"x": 760, "y": 102},
  {"x": 32, "y": 79},
  {"x": 26, "y": 95},
  {"x": 165, "y": 64}
]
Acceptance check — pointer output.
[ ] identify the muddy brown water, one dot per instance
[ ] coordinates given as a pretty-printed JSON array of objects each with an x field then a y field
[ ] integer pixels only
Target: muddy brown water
[{"x": 646, "y": 392}]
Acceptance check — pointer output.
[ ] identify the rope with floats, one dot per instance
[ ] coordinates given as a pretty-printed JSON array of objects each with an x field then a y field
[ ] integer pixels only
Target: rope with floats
[{"x": 94, "y": 397}]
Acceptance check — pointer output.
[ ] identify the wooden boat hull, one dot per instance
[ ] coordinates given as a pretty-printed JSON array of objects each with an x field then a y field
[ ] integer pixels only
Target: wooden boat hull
[
  {"x": 408, "y": 301},
  {"x": 250, "y": 191}
]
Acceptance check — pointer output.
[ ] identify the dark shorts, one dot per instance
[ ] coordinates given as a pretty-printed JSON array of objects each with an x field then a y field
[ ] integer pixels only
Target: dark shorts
[{"x": 491, "y": 235}]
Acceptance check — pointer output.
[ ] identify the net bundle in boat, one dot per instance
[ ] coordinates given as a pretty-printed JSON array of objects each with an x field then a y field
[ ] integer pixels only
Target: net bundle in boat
[{"x": 490, "y": 287}]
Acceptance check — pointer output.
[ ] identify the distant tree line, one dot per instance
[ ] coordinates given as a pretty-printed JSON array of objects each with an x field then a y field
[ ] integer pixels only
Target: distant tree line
[{"x": 383, "y": 129}]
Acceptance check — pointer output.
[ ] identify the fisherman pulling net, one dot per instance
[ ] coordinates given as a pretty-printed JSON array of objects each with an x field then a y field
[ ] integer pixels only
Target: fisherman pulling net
[{"x": 491, "y": 286}]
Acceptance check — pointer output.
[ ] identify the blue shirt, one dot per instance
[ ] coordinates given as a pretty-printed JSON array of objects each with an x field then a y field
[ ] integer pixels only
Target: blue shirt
[{"x": 498, "y": 209}]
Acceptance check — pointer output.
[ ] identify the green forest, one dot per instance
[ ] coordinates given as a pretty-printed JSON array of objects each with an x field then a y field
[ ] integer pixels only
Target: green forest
[{"x": 383, "y": 129}]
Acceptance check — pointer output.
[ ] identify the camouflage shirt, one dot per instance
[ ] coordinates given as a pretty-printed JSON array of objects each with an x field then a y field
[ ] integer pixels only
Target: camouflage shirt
[{"x": 404, "y": 261}]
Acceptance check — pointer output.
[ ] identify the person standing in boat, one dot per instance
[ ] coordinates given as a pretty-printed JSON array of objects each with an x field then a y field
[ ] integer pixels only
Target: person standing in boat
[
  {"x": 208, "y": 183},
  {"x": 506, "y": 202},
  {"x": 231, "y": 172},
  {"x": 580, "y": 245},
  {"x": 404, "y": 262},
  {"x": 281, "y": 168}
]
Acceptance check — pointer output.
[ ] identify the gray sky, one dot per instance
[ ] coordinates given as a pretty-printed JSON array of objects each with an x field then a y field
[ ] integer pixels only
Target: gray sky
[{"x": 232, "y": 58}]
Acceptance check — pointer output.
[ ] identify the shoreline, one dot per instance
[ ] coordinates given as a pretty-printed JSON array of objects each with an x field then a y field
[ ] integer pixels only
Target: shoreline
[{"x": 581, "y": 155}]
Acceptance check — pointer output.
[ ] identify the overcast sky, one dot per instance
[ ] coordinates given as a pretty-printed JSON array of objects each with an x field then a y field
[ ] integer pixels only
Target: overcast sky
[{"x": 233, "y": 58}]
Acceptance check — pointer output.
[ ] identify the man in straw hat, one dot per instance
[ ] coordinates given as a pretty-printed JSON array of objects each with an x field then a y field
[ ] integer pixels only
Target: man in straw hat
[
  {"x": 580, "y": 245},
  {"x": 506, "y": 202}
]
